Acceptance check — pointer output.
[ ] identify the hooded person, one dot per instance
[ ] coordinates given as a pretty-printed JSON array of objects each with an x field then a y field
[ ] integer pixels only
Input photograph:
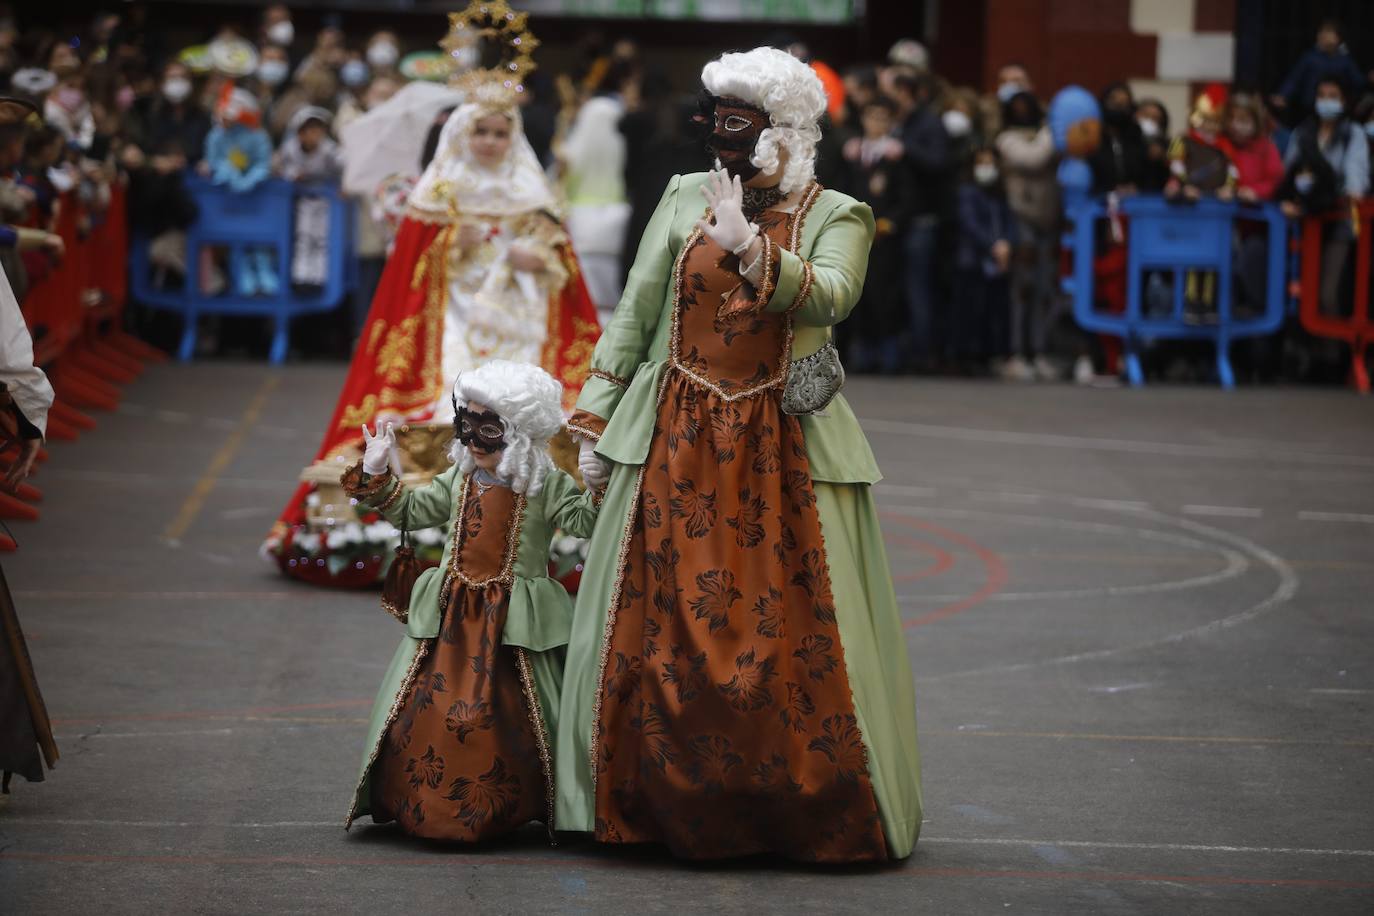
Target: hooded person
[
  {"x": 238, "y": 155},
  {"x": 481, "y": 269},
  {"x": 737, "y": 681},
  {"x": 460, "y": 742}
]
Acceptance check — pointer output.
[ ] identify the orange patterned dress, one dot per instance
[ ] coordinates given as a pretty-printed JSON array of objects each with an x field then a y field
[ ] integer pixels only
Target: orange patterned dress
[
  {"x": 463, "y": 760},
  {"x": 726, "y": 725}
]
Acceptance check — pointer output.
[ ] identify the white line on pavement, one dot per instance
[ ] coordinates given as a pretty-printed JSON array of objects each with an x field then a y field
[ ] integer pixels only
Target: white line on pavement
[
  {"x": 1137, "y": 446},
  {"x": 1336, "y": 517},
  {"x": 1224, "y": 511},
  {"x": 925, "y": 840},
  {"x": 1162, "y": 847}
]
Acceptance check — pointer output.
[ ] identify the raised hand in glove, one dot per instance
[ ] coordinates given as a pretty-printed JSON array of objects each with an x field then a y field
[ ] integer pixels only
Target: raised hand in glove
[
  {"x": 595, "y": 470},
  {"x": 725, "y": 196},
  {"x": 377, "y": 449}
]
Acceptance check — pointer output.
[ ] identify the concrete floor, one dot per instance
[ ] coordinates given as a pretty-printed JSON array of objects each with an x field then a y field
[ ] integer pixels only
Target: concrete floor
[{"x": 1140, "y": 623}]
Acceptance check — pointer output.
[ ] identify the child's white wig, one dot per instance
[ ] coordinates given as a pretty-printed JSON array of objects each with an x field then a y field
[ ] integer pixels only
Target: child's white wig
[
  {"x": 792, "y": 95},
  {"x": 529, "y": 401}
]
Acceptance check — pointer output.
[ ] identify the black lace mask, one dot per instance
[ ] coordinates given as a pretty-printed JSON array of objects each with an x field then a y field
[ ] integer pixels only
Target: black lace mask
[{"x": 482, "y": 432}]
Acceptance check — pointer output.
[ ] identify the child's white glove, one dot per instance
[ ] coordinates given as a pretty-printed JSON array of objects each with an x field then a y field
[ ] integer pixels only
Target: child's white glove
[
  {"x": 377, "y": 449},
  {"x": 595, "y": 470}
]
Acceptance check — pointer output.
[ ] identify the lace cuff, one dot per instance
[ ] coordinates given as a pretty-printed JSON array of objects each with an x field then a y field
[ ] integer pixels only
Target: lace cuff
[
  {"x": 586, "y": 425},
  {"x": 369, "y": 488},
  {"x": 759, "y": 280}
]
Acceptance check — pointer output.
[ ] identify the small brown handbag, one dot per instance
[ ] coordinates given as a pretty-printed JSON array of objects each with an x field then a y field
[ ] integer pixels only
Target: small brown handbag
[{"x": 401, "y": 577}]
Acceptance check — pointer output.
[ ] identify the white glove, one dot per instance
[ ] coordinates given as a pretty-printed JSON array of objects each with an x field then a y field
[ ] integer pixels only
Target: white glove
[
  {"x": 595, "y": 470},
  {"x": 725, "y": 196},
  {"x": 377, "y": 449}
]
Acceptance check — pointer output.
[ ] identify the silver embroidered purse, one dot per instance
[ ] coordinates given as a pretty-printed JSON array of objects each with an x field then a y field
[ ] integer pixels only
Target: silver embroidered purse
[{"x": 813, "y": 381}]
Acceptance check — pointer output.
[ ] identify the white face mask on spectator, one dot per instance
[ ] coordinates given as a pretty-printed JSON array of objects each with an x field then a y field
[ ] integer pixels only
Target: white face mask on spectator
[
  {"x": 1149, "y": 127},
  {"x": 1304, "y": 183},
  {"x": 353, "y": 74},
  {"x": 383, "y": 54},
  {"x": 176, "y": 88},
  {"x": 1329, "y": 109},
  {"x": 957, "y": 124},
  {"x": 281, "y": 33},
  {"x": 1008, "y": 91},
  {"x": 273, "y": 72},
  {"x": 985, "y": 173}
]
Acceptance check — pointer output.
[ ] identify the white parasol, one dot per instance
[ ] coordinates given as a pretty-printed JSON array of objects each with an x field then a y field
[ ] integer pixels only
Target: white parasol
[{"x": 389, "y": 139}]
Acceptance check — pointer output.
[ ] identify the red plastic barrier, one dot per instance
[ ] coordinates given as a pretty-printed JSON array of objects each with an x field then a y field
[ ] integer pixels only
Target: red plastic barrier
[
  {"x": 74, "y": 312},
  {"x": 1357, "y": 329}
]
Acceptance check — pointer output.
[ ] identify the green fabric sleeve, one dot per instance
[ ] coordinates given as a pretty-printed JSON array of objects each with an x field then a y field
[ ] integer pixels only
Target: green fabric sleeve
[
  {"x": 839, "y": 262},
  {"x": 625, "y": 342},
  {"x": 422, "y": 507},
  {"x": 568, "y": 508}
]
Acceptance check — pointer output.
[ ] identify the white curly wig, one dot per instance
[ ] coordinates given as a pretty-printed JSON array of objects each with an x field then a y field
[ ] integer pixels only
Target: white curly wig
[
  {"x": 792, "y": 95},
  {"x": 529, "y": 401}
]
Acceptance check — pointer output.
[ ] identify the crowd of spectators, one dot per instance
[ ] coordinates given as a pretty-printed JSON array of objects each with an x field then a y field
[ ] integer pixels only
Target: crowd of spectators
[{"x": 964, "y": 272}]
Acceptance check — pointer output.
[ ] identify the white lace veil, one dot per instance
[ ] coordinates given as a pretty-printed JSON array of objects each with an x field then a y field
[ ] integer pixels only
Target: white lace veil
[{"x": 454, "y": 182}]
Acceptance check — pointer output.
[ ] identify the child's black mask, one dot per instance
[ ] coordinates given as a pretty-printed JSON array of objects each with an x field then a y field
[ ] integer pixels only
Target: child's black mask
[{"x": 481, "y": 432}]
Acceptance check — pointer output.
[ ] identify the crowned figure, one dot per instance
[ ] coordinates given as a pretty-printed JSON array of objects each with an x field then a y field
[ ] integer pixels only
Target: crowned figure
[{"x": 480, "y": 269}]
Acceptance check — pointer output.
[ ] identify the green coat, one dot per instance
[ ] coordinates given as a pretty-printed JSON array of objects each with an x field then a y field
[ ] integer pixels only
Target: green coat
[
  {"x": 540, "y": 614},
  {"x": 634, "y": 346}
]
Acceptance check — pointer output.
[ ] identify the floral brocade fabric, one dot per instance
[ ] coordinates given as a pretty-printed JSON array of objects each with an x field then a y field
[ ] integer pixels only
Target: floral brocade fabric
[
  {"x": 726, "y": 722},
  {"x": 461, "y": 760}
]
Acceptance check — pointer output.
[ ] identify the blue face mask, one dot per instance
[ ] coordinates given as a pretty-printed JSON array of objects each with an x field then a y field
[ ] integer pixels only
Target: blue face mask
[
  {"x": 1303, "y": 183},
  {"x": 1329, "y": 109},
  {"x": 354, "y": 73}
]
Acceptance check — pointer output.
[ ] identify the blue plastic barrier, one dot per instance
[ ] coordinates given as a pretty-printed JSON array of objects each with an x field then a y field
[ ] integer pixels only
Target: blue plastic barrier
[
  {"x": 1179, "y": 238},
  {"x": 262, "y": 218}
]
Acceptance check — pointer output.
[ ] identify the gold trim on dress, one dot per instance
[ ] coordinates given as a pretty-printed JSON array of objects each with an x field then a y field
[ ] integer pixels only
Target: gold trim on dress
[
  {"x": 605, "y": 376},
  {"x": 541, "y": 734},
  {"x": 420, "y": 652}
]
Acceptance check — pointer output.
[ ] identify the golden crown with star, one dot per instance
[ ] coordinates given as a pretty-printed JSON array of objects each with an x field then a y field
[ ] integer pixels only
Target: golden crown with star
[{"x": 490, "y": 29}]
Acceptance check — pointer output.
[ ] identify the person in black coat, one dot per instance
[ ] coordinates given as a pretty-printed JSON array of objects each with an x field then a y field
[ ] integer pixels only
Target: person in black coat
[
  {"x": 926, "y": 153},
  {"x": 876, "y": 175},
  {"x": 1121, "y": 161},
  {"x": 984, "y": 243}
]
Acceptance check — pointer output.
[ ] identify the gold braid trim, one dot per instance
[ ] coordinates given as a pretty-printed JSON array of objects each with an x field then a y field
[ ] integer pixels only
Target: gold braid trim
[
  {"x": 605, "y": 376},
  {"x": 541, "y": 734},
  {"x": 352, "y": 482},
  {"x": 622, "y": 559},
  {"x": 392, "y": 499},
  {"x": 392, "y": 714},
  {"x": 803, "y": 288},
  {"x": 587, "y": 425},
  {"x": 507, "y": 574}
]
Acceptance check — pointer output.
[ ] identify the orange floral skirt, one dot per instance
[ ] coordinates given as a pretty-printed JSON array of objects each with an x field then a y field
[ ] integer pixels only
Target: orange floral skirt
[
  {"x": 461, "y": 761},
  {"x": 726, "y": 724}
]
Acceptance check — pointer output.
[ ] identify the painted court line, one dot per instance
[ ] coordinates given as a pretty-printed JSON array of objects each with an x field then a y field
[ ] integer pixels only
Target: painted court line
[
  {"x": 1161, "y": 847},
  {"x": 1224, "y": 511},
  {"x": 1092, "y": 443},
  {"x": 924, "y": 841},
  {"x": 192, "y": 506},
  {"x": 467, "y": 861},
  {"x": 1336, "y": 517},
  {"x": 1163, "y": 739}
]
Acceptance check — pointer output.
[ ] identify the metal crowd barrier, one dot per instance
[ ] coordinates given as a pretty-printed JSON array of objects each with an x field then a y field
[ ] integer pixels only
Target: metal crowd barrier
[
  {"x": 263, "y": 218},
  {"x": 1182, "y": 239}
]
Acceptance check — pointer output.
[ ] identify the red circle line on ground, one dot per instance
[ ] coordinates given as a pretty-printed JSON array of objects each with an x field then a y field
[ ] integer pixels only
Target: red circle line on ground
[
  {"x": 994, "y": 581},
  {"x": 944, "y": 560}
]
